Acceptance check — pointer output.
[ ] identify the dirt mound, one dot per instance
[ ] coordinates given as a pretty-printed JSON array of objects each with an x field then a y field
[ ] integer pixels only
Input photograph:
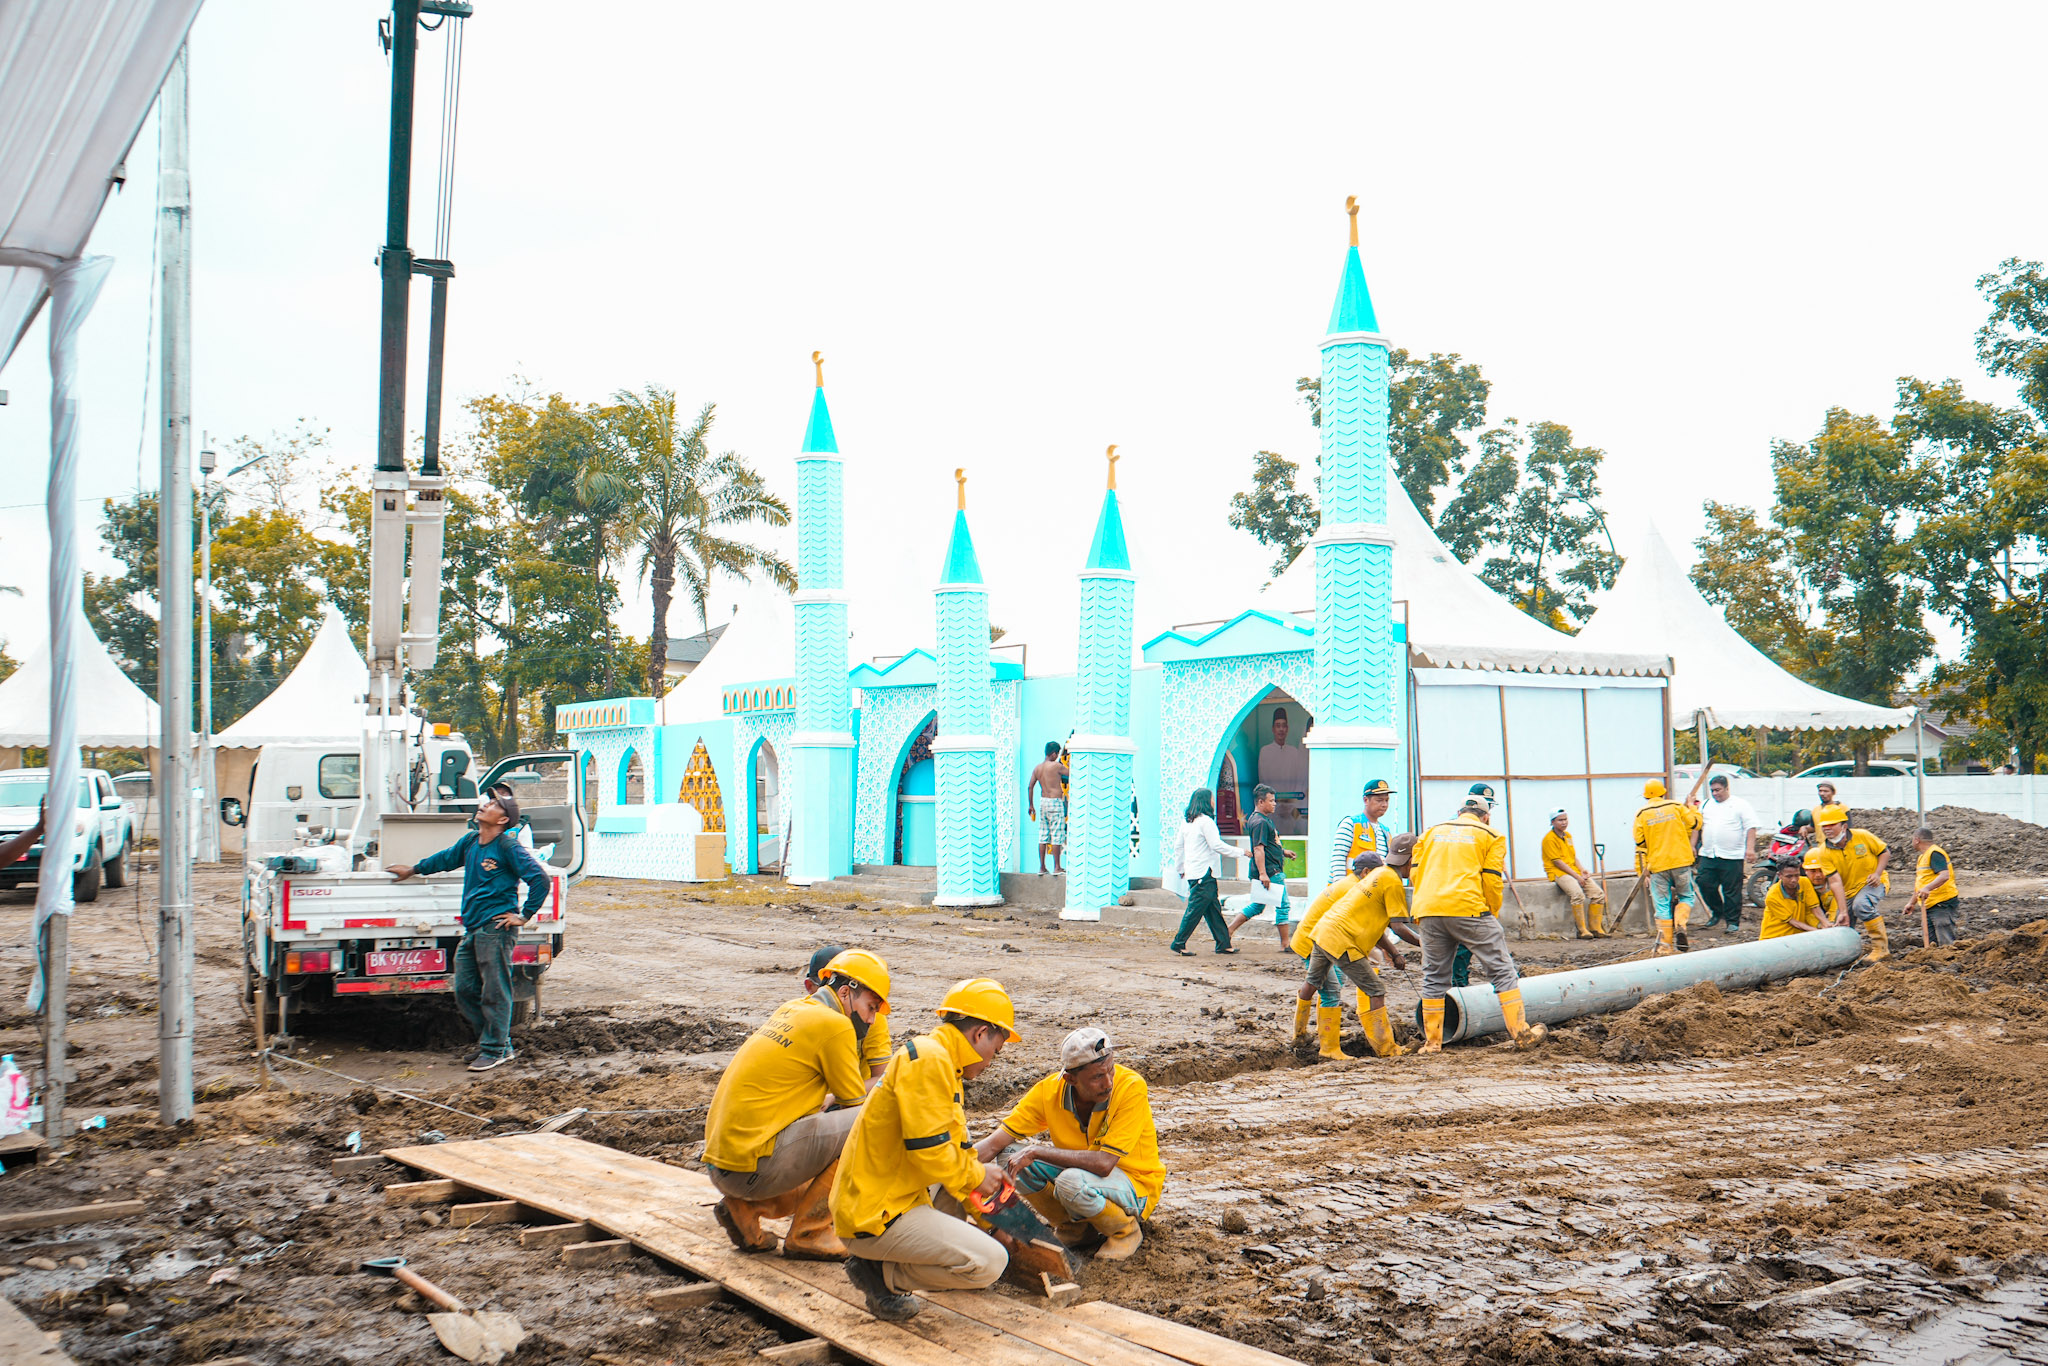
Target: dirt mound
[
  {"x": 1979, "y": 841},
  {"x": 590, "y": 1032},
  {"x": 2016, "y": 957}
]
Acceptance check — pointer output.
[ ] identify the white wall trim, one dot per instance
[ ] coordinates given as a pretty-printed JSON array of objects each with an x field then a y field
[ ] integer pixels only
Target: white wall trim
[
  {"x": 963, "y": 744},
  {"x": 804, "y": 597},
  {"x": 1356, "y": 338},
  {"x": 1325, "y": 736},
  {"x": 1353, "y": 533},
  {"x": 1102, "y": 744}
]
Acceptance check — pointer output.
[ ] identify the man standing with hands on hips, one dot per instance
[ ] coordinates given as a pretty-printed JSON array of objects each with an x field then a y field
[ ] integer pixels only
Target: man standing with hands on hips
[
  {"x": 1728, "y": 827},
  {"x": 493, "y": 866}
]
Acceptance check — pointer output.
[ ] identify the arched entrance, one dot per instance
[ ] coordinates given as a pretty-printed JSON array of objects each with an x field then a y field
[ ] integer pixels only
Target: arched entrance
[
  {"x": 700, "y": 789},
  {"x": 1263, "y": 744},
  {"x": 632, "y": 779},
  {"x": 767, "y": 784},
  {"x": 916, "y": 837}
]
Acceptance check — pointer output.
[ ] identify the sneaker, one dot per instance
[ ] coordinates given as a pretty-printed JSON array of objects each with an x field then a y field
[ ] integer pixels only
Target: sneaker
[
  {"x": 884, "y": 1303},
  {"x": 484, "y": 1062}
]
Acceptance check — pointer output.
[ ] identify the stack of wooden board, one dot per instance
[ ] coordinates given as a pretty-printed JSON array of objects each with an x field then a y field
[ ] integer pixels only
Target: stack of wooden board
[{"x": 609, "y": 1202}]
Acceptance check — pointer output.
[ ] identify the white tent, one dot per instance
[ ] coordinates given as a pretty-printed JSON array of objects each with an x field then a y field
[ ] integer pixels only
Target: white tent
[
  {"x": 1455, "y": 621},
  {"x": 320, "y": 702},
  {"x": 759, "y": 642},
  {"x": 112, "y": 712},
  {"x": 1715, "y": 672}
]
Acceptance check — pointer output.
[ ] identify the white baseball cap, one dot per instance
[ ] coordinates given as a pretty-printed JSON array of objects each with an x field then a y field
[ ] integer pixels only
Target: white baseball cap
[{"x": 1082, "y": 1047}]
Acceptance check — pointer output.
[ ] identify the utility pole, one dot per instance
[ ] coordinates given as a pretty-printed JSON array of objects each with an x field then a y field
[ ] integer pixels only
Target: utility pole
[
  {"x": 174, "y": 596},
  {"x": 209, "y": 798}
]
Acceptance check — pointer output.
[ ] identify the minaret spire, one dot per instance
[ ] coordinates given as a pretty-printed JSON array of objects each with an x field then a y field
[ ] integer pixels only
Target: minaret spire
[
  {"x": 1102, "y": 754},
  {"x": 819, "y": 843},
  {"x": 1112, "y": 468},
  {"x": 964, "y": 752}
]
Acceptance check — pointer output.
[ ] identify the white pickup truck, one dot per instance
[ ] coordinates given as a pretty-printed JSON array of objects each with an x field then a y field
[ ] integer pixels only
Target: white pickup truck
[
  {"x": 322, "y": 928},
  {"x": 105, "y": 825}
]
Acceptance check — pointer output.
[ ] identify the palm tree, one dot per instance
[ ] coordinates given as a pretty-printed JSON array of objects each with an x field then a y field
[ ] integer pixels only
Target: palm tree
[{"x": 685, "y": 501}]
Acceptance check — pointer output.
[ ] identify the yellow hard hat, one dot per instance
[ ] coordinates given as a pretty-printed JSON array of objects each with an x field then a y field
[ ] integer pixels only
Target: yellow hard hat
[
  {"x": 984, "y": 999},
  {"x": 866, "y": 969},
  {"x": 1831, "y": 815},
  {"x": 1653, "y": 788}
]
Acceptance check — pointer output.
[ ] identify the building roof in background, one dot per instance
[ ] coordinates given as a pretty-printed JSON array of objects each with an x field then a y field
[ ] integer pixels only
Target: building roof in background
[
  {"x": 77, "y": 78},
  {"x": 692, "y": 649}
]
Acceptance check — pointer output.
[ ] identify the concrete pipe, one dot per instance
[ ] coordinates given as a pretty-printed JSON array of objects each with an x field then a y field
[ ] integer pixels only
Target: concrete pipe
[{"x": 1474, "y": 1011}]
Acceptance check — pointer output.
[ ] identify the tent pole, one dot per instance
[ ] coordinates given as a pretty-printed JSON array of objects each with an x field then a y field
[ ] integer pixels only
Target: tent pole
[
  {"x": 1919, "y": 765},
  {"x": 1699, "y": 730},
  {"x": 174, "y": 594}
]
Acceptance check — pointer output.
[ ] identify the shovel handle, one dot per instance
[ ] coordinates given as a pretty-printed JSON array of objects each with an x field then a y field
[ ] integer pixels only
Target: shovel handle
[{"x": 428, "y": 1291}]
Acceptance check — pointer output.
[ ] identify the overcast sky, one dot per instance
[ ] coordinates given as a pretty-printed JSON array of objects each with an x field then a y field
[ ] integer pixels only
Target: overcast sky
[{"x": 1020, "y": 234}]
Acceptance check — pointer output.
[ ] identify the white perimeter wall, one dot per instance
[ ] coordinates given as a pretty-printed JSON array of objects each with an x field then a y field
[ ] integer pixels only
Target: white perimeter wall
[{"x": 2015, "y": 795}]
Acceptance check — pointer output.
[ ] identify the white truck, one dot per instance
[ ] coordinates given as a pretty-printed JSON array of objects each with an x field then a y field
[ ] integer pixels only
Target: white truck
[{"x": 105, "y": 826}]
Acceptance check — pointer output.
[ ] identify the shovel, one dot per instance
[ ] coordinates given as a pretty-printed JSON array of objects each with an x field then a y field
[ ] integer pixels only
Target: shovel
[
  {"x": 486, "y": 1336},
  {"x": 1035, "y": 1251}
]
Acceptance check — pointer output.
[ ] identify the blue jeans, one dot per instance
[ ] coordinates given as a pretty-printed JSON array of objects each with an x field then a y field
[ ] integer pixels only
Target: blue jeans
[
  {"x": 483, "y": 987},
  {"x": 1080, "y": 1193}
]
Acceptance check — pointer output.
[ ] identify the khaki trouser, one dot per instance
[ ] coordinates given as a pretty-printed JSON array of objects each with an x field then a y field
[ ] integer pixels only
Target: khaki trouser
[
  {"x": 1580, "y": 895},
  {"x": 927, "y": 1250},
  {"x": 802, "y": 1150}
]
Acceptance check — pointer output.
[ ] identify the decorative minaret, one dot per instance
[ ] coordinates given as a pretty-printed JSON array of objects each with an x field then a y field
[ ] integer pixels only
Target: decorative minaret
[
  {"x": 1353, "y": 739},
  {"x": 821, "y": 743},
  {"x": 1101, "y": 751},
  {"x": 965, "y": 750}
]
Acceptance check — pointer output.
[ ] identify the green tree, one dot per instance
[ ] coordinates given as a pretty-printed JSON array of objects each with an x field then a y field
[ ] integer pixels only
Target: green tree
[
  {"x": 1275, "y": 511},
  {"x": 685, "y": 502},
  {"x": 1743, "y": 569},
  {"x": 1473, "y": 516},
  {"x": 1552, "y": 551}
]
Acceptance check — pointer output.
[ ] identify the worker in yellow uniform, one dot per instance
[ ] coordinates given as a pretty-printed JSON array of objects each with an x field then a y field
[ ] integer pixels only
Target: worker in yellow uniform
[
  {"x": 1934, "y": 888},
  {"x": 875, "y": 1045},
  {"x": 1364, "y": 833},
  {"x": 1561, "y": 862},
  {"x": 1098, "y": 1171},
  {"x": 910, "y": 1137},
  {"x": 1330, "y": 1011},
  {"x": 1791, "y": 906},
  {"x": 1353, "y": 929},
  {"x": 1459, "y": 873},
  {"x": 1665, "y": 832},
  {"x": 767, "y": 1148},
  {"x": 1851, "y": 869}
]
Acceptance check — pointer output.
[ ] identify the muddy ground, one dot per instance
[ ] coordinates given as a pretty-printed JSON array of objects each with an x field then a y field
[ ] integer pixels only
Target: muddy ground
[{"x": 1852, "y": 1168}]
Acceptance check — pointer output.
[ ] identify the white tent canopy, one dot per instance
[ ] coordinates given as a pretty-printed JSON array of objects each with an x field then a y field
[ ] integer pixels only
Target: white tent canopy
[
  {"x": 1716, "y": 673},
  {"x": 759, "y": 642},
  {"x": 320, "y": 702},
  {"x": 1455, "y": 621},
  {"x": 112, "y": 712}
]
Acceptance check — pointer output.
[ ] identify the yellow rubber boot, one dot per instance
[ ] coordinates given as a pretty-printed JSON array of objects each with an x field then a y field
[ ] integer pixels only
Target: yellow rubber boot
[
  {"x": 1432, "y": 1026},
  {"x": 1880, "y": 942},
  {"x": 1663, "y": 938},
  {"x": 1596, "y": 916},
  {"x": 1120, "y": 1231},
  {"x": 1380, "y": 1034},
  {"x": 1579, "y": 916},
  {"x": 1330, "y": 1033},
  {"x": 1301, "y": 1014},
  {"x": 811, "y": 1234},
  {"x": 1065, "y": 1227},
  {"x": 1526, "y": 1035},
  {"x": 1681, "y": 916}
]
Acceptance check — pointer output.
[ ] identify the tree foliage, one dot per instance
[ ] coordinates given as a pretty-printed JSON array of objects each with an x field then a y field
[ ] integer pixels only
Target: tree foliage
[{"x": 1274, "y": 510}]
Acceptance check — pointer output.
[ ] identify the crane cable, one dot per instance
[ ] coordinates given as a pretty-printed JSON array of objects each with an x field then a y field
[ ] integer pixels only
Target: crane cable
[{"x": 451, "y": 113}]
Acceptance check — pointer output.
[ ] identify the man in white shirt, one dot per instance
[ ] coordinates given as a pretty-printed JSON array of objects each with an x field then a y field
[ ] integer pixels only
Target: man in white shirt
[
  {"x": 1728, "y": 827},
  {"x": 1283, "y": 767}
]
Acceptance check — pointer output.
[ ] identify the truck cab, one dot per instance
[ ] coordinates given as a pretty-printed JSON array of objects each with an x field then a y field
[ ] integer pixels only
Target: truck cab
[{"x": 105, "y": 829}]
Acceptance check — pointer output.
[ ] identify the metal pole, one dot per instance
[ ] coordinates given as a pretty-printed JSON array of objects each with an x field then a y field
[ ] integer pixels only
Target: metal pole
[
  {"x": 437, "y": 338},
  {"x": 56, "y": 953},
  {"x": 1919, "y": 765},
  {"x": 209, "y": 801},
  {"x": 395, "y": 260},
  {"x": 174, "y": 596}
]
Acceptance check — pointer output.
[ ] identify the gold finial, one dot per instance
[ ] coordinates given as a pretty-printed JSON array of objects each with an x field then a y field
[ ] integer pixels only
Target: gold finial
[
  {"x": 818, "y": 357},
  {"x": 1113, "y": 458},
  {"x": 960, "y": 478},
  {"x": 1351, "y": 207}
]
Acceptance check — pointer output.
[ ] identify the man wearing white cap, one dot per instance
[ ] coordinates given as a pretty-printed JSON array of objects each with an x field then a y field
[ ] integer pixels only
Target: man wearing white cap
[
  {"x": 1561, "y": 862},
  {"x": 1099, "y": 1165}
]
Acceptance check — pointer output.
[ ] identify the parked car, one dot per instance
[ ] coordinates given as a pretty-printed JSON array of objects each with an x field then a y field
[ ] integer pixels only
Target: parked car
[
  {"x": 105, "y": 830},
  {"x": 1685, "y": 773},
  {"x": 1846, "y": 768}
]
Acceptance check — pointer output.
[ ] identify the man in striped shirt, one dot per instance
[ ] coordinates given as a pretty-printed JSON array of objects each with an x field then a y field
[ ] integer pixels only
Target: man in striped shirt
[{"x": 1363, "y": 833}]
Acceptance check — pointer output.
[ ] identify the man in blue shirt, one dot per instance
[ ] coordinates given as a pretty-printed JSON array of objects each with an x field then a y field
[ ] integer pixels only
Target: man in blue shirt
[{"x": 493, "y": 865}]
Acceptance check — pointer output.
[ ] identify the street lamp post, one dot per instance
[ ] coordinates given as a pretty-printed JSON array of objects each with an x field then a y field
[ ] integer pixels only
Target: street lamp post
[{"x": 209, "y": 815}]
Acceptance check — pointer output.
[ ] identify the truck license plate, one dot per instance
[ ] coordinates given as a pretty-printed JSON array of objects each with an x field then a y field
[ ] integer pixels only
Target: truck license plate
[{"x": 405, "y": 960}]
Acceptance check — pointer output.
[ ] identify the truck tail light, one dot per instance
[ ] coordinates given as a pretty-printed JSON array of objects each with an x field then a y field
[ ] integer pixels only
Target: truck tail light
[
  {"x": 532, "y": 953},
  {"x": 319, "y": 961}
]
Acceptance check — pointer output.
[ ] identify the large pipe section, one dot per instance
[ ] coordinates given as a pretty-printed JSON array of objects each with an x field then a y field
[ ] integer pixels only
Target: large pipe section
[{"x": 1473, "y": 1012}]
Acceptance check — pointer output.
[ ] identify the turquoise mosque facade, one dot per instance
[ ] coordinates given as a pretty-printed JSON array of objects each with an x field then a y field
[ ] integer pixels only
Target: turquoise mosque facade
[{"x": 824, "y": 769}]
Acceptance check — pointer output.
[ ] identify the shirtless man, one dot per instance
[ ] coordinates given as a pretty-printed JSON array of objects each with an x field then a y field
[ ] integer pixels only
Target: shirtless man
[{"x": 1049, "y": 783}]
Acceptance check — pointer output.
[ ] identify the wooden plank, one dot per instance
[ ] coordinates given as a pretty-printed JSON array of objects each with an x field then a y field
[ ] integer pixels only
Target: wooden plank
[
  {"x": 1056, "y": 1332},
  {"x": 695, "y": 1295},
  {"x": 23, "y": 1148},
  {"x": 808, "y": 1352},
  {"x": 485, "y": 1212},
  {"x": 437, "y": 1192},
  {"x": 556, "y": 1235},
  {"x": 1191, "y": 1345},
  {"x": 945, "y": 1323},
  {"x": 349, "y": 1166},
  {"x": 23, "y": 1344},
  {"x": 597, "y": 1254},
  {"x": 71, "y": 1214}
]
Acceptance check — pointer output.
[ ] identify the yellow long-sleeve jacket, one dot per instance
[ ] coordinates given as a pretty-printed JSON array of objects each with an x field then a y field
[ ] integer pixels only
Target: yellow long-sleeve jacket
[
  {"x": 1664, "y": 835},
  {"x": 1360, "y": 917},
  {"x": 1304, "y": 933},
  {"x": 779, "y": 1075},
  {"x": 911, "y": 1134},
  {"x": 1459, "y": 868}
]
